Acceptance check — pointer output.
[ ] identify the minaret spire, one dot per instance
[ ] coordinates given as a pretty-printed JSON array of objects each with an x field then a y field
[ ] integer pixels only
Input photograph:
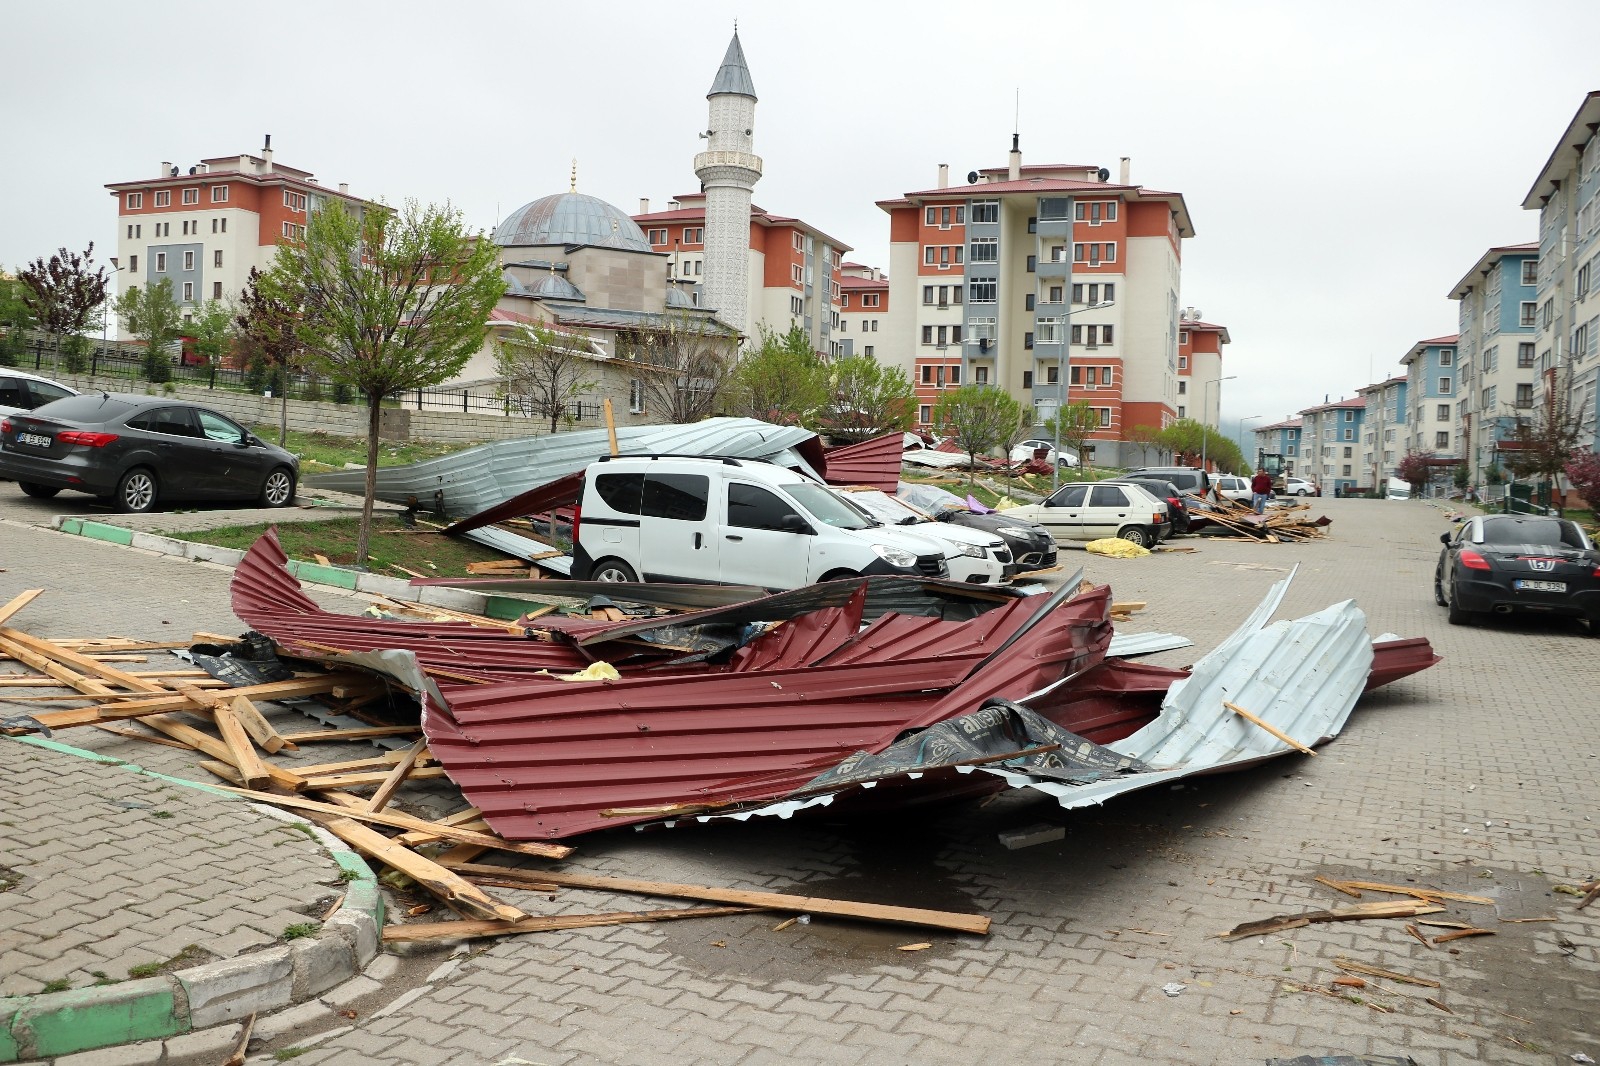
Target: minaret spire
[{"x": 728, "y": 170}]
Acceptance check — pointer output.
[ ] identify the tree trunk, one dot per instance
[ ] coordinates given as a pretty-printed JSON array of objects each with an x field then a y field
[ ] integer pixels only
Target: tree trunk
[{"x": 374, "y": 419}]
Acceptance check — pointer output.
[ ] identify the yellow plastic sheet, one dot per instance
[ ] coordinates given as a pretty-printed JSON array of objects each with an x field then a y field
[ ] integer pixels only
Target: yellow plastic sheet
[{"x": 1115, "y": 547}]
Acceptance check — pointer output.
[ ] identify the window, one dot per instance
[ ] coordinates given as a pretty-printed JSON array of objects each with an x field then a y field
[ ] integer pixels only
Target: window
[
  {"x": 1027, "y": 302},
  {"x": 796, "y": 274},
  {"x": 1441, "y": 439},
  {"x": 1489, "y": 398},
  {"x": 1349, "y": 416},
  {"x": 955, "y": 375},
  {"x": 1033, "y": 223},
  {"x": 1524, "y": 395},
  {"x": 1443, "y": 413},
  {"x": 925, "y": 415},
  {"x": 1530, "y": 271},
  {"x": 1027, "y": 341},
  {"x": 133, "y": 264},
  {"x": 135, "y": 201},
  {"x": 191, "y": 196},
  {"x": 870, "y": 299},
  {"x": 986, "y": 212},
  {"x": 1528, "y": 312},
  {"x": 222, "y": 223},
  {"x": 1525, "y": 355},
  {"x": 656, "y": 236},
  {"x": 219, "y": 195},
  {"x": 216, "y": 290},
  {"x": 927, "y": 294},
  {"x": 1033, "y": 264},
  {"x": 1183, "y": 412},
  {"x": 1183, "y": 388},
  {"x": 1106, "y": 495},
  {"x": 985, "y": 249},
  {"x": 869, "y": 351},
  {"x": 797, "y": 306},
  {"x": 980, "y": 375},
  {"x": 1077, "y": 294},
  {"x": 188, "y": 261},
  {"x": 1105, "y": 415},
  {"x": 1055, "y": 208},
  {"x": 1347, "y": 452},
  {"x": 983, "y": 291},
  {"x": 1027, "y": 379},
  {"x": 1094, "y": 254},
  {"x": 1447, "y": 356},
  {"x": 188, "y": 292},
  {"x": 293, "y": 232},
  {"x": 1444, "y": 386},
  {"x": 161, "y": 262},
  {"x": 294, "y": 201},
  {"x": 1049, "y": 331},
  {"x": 697, "y": 235},
  {"x": 678, "y": 497},
  {"x": 1582, "y": 284},
  {"x": 216, "y": 258},
  {"x": 1055, "y": 294},
  {"x": 930, "y": 218},
  {"x": 164, "y": 198},
  {"x": 750, "y": 507},
  {"x": 1349, "y": 434},
  {"x": 163, "y": 229},
  {"x": 1095, "y": 212}
]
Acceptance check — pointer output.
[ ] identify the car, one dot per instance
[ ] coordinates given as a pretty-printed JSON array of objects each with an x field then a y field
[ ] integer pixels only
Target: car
[
  {"x": 1397, "y": 490},
  {"x": 1092, "y": 510},
  {"x": 24, "y": 392},
  {"x": 142, "y": 452},
  {"x": 1025, "y": 450},
  {"x": 977, "y": 558},
  {"x": 1505, "y": 563},
  {"x": 727, "y": 521},
  {"x": 1190, "y": 479},
  {"x": 1161, "y": 490},
  {"x": 1233, "y": 487},
  {"x": 1030, "y": 543},
  {"x": 1299, "y": 486}
]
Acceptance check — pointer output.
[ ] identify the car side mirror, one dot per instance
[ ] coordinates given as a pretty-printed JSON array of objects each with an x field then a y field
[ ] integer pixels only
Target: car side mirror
[
  {"x": 1444, "y": 538},
  {"x": 793, "y": 523}
]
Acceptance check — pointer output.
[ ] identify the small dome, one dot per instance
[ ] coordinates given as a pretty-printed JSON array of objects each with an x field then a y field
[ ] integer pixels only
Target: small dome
[
  {"x": 570, "y": 218},
  {"x": 676, "y": 297},
  {"x": 513, "y": 286},
  {"x": 555, "y": 287}
]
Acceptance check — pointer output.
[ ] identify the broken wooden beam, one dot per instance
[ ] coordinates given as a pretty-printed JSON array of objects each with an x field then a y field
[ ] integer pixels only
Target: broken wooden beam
[
  {"x": 402, "y": 768},
  {"x": 1353, "y": 913},
  {"x": 1274, "y": 730},
  {"x": 401, "y": 934},
  {"x": 448, "y": 886},
  {"x": 1350, "y": 966},
  {"x": 252, "y": 771}
]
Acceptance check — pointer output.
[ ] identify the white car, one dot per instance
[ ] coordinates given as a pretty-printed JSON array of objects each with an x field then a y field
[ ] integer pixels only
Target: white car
[
  {"x": 1233, "y": 487},
  {"x": 1093, "y": 510},
  {"x": 975, "y": 557},
  {"x": 23, "y": 392},
  {"x": 1299, "y": 486},
  {"x": 1028, "y": 448},
  {"x": 1397, "y": 490}
]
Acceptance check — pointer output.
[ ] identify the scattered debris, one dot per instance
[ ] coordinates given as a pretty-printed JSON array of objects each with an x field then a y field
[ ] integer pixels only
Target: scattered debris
[
  {"x": 1029, "y": 835},
  {"x": 1173, "y": 989},
  {"x": 1116, "y": 548},
  {"x": 1459, "y": 933},
  {"x": 1350, "y": 966},
  {"x": 1354, "y": 913}
]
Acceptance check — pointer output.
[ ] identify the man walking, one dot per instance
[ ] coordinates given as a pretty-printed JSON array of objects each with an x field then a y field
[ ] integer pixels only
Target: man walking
[{"x": 1260, "y": 490}]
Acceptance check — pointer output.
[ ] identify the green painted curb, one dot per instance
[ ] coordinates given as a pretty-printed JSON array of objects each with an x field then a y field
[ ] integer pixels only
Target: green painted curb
[
  {"x": 9, "y": 1051},
  {"x": 94, "y": 756},
  {"x": 72, "y": 525},
  {"x": 109, "y": 534},
  {"x": 85, "y": 1018},
  {"x": 323, "y": 575}
]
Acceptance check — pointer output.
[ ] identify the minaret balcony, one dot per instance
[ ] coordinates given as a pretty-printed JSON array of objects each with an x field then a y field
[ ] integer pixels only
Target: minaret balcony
[{"x": 739, "y": 160}]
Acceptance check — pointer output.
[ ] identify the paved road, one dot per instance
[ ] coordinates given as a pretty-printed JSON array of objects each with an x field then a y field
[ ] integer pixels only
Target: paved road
[{"x": 1477, "y": 776}]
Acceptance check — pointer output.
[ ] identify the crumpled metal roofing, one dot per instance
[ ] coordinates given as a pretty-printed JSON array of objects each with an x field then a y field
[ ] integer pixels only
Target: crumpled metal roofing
[
  {"x": 874, "y": 462},
  {"x": 476, "y": 479}
]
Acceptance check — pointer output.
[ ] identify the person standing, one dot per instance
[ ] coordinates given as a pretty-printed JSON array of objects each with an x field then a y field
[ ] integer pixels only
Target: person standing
[{"x": 1260, "y": 490}]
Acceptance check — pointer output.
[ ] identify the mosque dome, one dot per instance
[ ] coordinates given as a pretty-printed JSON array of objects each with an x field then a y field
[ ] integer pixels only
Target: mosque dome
[
  {"x": 571, "y": 218},
  {"x": 676, "y": 297}
]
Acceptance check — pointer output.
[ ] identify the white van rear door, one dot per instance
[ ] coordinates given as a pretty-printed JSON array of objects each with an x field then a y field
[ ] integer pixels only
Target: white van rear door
[
  {"x": 676, "y": 541},
  {"x": 756, "y": 549}
]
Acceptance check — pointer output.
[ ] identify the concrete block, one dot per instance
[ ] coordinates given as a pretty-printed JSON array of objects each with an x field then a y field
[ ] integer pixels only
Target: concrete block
[
  {"x": 358, "y": 930},
  {"x": 361, "y": 897},
  {"x": 109, "y": 534},
  {"x": 235, "y": 988},
  {"x": 152, "y": 542},
  {"x": 323, "y": 575},
  {"x": 204, "y": 1047},
  {"x": 146, "y": 1053},
  {"x": 397, "y": 588},
  {"x": 210, "y": 553},
  {"x": 355, "y": 988},
  {"x": 319, "y": 963},
  {"x": 287, "y": 1021},
  {"x": 383, "y": 967},
  {"x": 454, "y": 599},
  {"x": 64, "y": 1022},
  {"x": 1029, "y": 835}
]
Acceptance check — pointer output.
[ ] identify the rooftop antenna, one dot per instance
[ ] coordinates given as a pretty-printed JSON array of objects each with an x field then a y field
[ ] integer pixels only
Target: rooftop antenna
[{"x": 1016, "y": 117}]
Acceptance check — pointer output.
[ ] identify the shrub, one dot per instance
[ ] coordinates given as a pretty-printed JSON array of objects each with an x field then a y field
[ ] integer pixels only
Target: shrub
[{"x": 1583, "y": 470}]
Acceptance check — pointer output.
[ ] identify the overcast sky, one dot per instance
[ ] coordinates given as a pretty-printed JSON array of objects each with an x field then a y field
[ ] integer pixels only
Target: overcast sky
[{"x": 1344, "y": 163}]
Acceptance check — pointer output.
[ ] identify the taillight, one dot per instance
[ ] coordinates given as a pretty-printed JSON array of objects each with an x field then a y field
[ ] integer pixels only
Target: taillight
[
  {"x": 577, "y": 516},
  {"x": 86, "y": 438},
  {"x": 1157, "y": 519},
  {"x": 1176, "y": 503},
  {"x": 1473, "y": 561},
  {"x": 5, "y": 425}
]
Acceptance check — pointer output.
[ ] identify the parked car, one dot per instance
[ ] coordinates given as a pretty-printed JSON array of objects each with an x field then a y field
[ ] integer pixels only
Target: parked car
[
  {"x": 1505, "y": 563},
  {"x": 1397, "y": 490},
  {"x": 1233, "y": 487},
  {"x": 1030, "y": 543},
  {"x": 1299, "y": 486},
  {"x": 1177, "y": 509},
  {"x": 975, "y": 557},
  {"x": 1188, "y": 478},
  {"x": 714, "y": 520},
  {"x": 26, "y": 392},
  {"x": 1090, "y": 510},
  {"x": 142, "y": 452},
  {"x": 1027, "y": 449}
]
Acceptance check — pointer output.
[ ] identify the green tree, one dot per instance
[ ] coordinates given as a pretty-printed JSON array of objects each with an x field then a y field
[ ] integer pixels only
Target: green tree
[
  {"x": 979, "y": 418},
  {"x": 15, "y": 317},
  {"x": 63, "y": 294},
  {"x": 151, "y": 314},
  {"x": 388, "y": 301},
  {"x": 1144, "y": 438},
  {"x": 266, "y": 335},
  {"x": 866, "y": 400},
  {"x": 212, "y": 330},
  {"x": 1078, "y": 422},
  {"x": 781, "y": 381},
  {"x": 545, "y": 371},
  {"x": 684, "y": 362}
]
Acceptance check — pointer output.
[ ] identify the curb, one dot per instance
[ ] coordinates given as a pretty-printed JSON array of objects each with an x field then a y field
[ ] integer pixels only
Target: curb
[
  {"x": 155, "y": 1008},
  {"x": 395, "y": 588}
]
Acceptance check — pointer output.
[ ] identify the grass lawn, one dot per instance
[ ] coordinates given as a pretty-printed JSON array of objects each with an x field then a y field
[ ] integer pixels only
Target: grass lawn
[
  {"x": 430, "y": 554},
  {"x": 320, "y": 452}
]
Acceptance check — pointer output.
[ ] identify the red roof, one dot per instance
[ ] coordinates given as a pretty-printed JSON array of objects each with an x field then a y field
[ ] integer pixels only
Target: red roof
[
  {"x": 1442, "y": 340},
  {"x": 1025, "y": 185},
  {"x": 850, "y": 281}
]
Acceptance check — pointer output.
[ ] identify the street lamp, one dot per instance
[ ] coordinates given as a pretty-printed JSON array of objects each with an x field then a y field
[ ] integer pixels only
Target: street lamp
[
  {"x": 1205, "y": 409},
  {"x": 1243, "y": 451},
  {"x": 1061, "y": 384}
]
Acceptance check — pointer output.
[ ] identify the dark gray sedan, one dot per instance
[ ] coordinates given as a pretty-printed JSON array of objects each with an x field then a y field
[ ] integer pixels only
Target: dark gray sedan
[{"x": 142, "y": 452}]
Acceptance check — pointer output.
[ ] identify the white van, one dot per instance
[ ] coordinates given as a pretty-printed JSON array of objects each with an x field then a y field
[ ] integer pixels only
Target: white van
[
  {"x": 1397, "y": 490},
  {"x": 978, "y": 558},
  {"x": 730, "y": 522}
]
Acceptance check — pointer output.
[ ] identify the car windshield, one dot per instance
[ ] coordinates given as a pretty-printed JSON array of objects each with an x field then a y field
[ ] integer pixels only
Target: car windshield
[
  {"x": 1551, "y": 531},
  {"x": 885, "y": 508},
  {"x": 827, "y": 508},
  {"x": 95, "y": 407}
]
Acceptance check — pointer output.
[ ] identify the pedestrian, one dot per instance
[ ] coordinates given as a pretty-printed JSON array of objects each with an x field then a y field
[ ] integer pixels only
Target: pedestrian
[{"x": 1260, "y": 490}]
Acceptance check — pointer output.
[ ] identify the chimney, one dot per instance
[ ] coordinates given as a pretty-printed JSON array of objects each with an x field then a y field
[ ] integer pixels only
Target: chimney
[
  {"x": 944, "y": 175},
  {"x": 1122, "y": 172},
  {"x": 344, "y": 188},
  {"x": 644, "y": 205},
  {"x": 166, "y": 168},
  {"x": 266, "y": 154},
  {"x": 1015, "y": 173}
]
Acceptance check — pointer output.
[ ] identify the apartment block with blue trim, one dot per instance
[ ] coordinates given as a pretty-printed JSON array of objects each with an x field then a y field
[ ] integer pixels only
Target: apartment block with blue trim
[
  {"x": 1495, "y": 353},
  {"x": 1280, "y": 438},
  {"x": 1432, "y": 376},
  {"x": 1383, "y": 431},
  {"x": 1330, "y": 437}
]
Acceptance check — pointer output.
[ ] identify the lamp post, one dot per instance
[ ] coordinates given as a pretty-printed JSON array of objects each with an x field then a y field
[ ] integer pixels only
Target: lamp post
[
  {"x": 1243, "y": 451},
  {"x": 1205, "y": 410},
  {"x": 1062, "y": 365}
]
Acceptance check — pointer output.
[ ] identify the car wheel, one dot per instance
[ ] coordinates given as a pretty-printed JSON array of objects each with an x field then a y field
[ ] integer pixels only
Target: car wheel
[
  {"x": 136, "y": 492},
  {"x": 840, "y": 575},
  {"x": 1301, "y": 492},
  {"x": 1455, "y": 615},
  {"x": 38, "y": 492},
  {"x": 1438, "y": 592},
  {"x": 278, "y": 490},
  {"x": 612, "y": 570},
  {"x": 1136, "y": 535}
]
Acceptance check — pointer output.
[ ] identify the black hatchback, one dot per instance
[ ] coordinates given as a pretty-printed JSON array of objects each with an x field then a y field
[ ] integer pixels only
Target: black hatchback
[{"x": 142, "y": 452}]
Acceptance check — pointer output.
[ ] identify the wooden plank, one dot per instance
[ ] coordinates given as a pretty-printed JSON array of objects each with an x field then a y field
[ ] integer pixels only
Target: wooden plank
[
  {"x": 260, "y": 730},
  {"x": 1389, "y": 975},
  {"x": 1353, "y": 913},
  {"x": 396, "y": 820},
  {"x": 316, "y": 685},
  {"x": 1274, "y": 730},
  {"x": 321, "y": 735},
  {"x": 251, "y": 769},
  {"x": 215, "y": 748},
  {"x": 408, "y": 762},
  {"x": 468, "y": 817},
  {"x": 450, "y": 887},
  {"x": 372, "y": 777},
  {"x": 15, "y": 639},
  {"x": 876, "y": 912},
  {"x": 1338, "y": 886},
  {"x": 404, "y": 934},
  {"x": 131, "y": 735},
  {"x": 1421, "y": 893},
  {"x": 18, "y": 602},
  {"x": 1445, "y": 938}
]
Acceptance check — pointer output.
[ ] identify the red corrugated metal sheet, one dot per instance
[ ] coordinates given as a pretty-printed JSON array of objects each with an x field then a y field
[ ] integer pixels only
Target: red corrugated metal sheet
[
  {"x": 874, "y": 462},
  {"x": 562, "y": 492}
]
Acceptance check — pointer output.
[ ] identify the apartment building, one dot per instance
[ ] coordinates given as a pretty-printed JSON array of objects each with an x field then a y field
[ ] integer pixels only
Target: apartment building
[
  {"x": 1431, "y": 397},
  {"x": 1200, "y": 367},
  {"x": 1567, "y": 329},
  {"x": 1280, "y": 438},
  {"x": 1330, "y": 435},
  {"x": 204, "y": 226},
  {"x": 865, "y": 327},
  {"x": 792, "y": 269},
  {"x": 1050, "y": 281},
  {"x": 1495, "y": 351},
  {"x": 1383, "y": 431}
]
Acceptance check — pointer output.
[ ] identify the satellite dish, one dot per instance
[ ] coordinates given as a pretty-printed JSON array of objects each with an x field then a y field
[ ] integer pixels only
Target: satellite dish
[
  {"x": 972, "y": 177},
  {"x": 174, "y": 171},
  {"x": 1105, "y": 174},
  {"x": 193, "y": 170}
]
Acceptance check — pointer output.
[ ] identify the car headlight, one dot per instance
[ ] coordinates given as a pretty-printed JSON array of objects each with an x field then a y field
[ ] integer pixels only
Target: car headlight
[
  {"x": 974, "y": 550},
  {"x": 1015, "y": 531},
  {"x": 894, "y": 556}
]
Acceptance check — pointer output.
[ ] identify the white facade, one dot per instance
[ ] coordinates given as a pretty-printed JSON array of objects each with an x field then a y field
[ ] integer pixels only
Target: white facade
[{"x": 728, "y": 171}]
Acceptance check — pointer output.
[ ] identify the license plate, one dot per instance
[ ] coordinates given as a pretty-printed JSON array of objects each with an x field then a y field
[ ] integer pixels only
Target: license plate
[
  {"x": 1542, "y": 586},
  {"x": 38, "y": 440}
]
